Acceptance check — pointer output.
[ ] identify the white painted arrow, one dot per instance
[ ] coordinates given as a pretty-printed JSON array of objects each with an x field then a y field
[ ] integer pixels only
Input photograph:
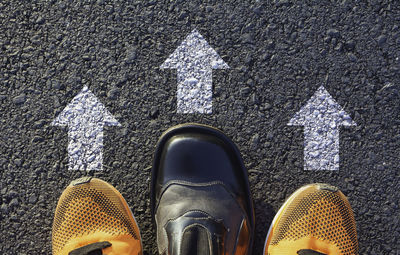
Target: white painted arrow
[
  {"x": 321, "y": 118},
  {"x": 194, "y": 60},
  {"x": 85, "y": 117}
]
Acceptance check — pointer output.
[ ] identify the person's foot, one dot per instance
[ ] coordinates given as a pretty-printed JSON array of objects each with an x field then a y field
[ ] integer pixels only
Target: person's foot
[
  {"x": 200, "y": 197},
  {"x": 315, "y": 220},
  {"x": 92, "y": 218}
]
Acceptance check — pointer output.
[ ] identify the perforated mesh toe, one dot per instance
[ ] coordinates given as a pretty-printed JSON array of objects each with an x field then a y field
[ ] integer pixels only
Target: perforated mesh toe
[
  {"x": 322, "y": 212},
  {"x": 91, "y": 207}
]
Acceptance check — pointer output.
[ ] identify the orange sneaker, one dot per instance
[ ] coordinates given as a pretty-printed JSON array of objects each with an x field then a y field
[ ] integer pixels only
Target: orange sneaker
[
  {"x": 316, "y": 220},
  {"x": 92, "y": 217}
]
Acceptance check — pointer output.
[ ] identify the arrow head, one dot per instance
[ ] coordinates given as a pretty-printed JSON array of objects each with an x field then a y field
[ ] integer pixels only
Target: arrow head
[
  {"x": 194, "y": 52},
  {"x": 85, "y": 108},
  {"x": 321, "y": 110}
]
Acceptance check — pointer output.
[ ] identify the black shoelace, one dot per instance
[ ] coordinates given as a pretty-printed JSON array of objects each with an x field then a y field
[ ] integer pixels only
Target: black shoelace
[
  {"x": 91, "y": 249},
  {"x": 309, "y": 252}
]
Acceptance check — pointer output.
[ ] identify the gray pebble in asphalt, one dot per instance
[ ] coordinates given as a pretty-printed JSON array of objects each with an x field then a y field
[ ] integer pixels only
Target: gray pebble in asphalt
[{"x": 20, "y": 99}]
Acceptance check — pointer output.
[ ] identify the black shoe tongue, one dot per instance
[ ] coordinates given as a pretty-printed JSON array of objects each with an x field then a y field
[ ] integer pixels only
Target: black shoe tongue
[
  {"x": 195, "y": 241},
  {"x": 194, "y": 235}
]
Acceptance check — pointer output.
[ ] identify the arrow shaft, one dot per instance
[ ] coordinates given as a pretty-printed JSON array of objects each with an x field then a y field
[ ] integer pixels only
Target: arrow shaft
[
  {"x": 321, "y": 149},
  {"x": 85, "y": 148},
  {"x": 194, "y": 92}
]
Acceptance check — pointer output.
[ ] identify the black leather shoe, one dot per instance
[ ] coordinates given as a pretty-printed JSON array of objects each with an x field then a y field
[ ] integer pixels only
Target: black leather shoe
[{"x": 200, "y": 196}]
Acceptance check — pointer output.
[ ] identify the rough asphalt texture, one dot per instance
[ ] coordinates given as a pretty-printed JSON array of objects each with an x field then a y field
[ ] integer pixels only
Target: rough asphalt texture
[{"x": 279, "y": 53}]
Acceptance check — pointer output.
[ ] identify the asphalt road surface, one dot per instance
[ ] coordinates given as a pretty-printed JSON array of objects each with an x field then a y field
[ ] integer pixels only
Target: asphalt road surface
[{"x": 279, "y": 54}]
